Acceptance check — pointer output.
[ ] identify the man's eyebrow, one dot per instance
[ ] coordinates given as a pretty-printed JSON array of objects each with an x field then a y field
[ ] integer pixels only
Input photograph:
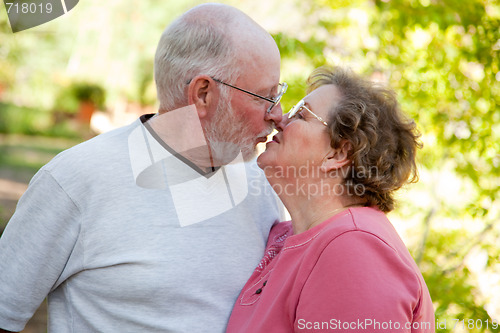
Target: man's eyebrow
[{"x": 270, "y": 91}]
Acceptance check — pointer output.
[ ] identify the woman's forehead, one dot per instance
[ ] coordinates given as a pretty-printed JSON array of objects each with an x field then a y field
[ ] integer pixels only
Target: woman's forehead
[{"x": 323, "y": 97}]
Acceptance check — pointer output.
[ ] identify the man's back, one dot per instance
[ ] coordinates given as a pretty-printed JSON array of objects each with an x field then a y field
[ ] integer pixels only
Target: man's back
[
  {"x": 114, "y": 255},
  {"x": 143, "y": 228}
]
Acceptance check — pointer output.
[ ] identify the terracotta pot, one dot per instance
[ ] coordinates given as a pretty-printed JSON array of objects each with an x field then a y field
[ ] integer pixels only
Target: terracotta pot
[{"x": 85, "y": 112}]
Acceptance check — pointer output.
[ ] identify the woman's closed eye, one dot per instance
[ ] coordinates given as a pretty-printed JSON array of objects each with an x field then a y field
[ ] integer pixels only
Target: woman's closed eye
[{"x": 300, "y": 115}]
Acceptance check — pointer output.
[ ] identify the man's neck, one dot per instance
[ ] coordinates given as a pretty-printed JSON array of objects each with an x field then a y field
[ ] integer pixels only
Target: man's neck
[{"x": 187, "y": 140}]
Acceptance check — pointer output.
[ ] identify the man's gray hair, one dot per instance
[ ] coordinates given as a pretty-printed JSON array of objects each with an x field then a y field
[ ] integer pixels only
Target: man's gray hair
[{"x": 188, "y": 48}]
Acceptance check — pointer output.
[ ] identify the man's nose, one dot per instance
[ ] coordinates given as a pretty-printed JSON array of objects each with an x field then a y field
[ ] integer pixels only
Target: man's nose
[{"x": 275, "y": 115}]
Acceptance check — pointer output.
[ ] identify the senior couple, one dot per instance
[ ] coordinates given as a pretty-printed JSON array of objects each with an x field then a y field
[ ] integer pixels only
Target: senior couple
[{"x": 152, "y": 227}]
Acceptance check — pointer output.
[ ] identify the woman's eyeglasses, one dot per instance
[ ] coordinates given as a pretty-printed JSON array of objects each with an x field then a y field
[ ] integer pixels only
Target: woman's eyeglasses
[{"x": 301, "y": 105}]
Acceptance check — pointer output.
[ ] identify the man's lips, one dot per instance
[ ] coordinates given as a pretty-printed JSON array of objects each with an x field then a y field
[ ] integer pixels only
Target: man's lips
[
  {"x": 263, "y": 139},
  {"x": 276, "y": 139}
]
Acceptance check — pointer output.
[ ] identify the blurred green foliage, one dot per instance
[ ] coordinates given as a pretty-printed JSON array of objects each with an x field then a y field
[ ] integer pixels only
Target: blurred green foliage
[
  {"x": 87, "y": 92},
  {"x": 32, "y": 121},
  {"x": 86, "y": 46},
  {"x": 69, "y": 98}
]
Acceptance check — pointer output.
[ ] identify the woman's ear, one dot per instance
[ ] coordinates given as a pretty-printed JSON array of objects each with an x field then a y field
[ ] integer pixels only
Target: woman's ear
[
  {"x": 337, "y": 158},
  {"x": 203, "y": 94}
]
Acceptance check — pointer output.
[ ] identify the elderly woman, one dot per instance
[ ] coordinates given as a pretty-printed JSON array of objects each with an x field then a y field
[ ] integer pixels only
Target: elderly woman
[{"x": 339, "y": 265}]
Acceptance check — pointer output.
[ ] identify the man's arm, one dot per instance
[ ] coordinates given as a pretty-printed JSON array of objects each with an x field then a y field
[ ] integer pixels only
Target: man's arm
[{"x": 34, "y": 249}]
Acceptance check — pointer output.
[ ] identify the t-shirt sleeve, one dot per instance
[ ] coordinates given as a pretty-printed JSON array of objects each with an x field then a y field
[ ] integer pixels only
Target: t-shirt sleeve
[
  {"x": 358, "y": 284},
  {"x": 34, "y": 249}
]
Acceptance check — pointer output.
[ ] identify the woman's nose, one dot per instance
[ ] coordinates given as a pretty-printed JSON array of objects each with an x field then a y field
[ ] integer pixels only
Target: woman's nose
[{"x": 284, "y": 121}]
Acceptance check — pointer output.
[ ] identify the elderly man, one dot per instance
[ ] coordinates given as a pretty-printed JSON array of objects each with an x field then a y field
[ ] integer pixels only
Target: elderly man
[{"x": 156, "y": 226}]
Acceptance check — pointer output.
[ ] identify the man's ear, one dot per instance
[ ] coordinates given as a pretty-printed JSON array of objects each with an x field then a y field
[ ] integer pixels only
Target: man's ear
[
  {"x": 203, "y": 93},
  {"x": 337, "y": 158}
]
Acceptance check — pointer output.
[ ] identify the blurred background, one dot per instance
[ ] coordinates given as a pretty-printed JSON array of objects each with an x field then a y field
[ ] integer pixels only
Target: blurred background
[{"x": 91, "y": 70}]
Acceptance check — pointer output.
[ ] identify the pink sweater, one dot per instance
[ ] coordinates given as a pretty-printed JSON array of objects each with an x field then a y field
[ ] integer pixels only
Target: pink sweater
[{"x": 352, "y": 273}]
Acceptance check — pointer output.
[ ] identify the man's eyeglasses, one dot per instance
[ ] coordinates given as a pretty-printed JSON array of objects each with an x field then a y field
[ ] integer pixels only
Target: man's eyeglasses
[
  {"x": 301, "y": 105},
  {"x": 281, "y": 90}
]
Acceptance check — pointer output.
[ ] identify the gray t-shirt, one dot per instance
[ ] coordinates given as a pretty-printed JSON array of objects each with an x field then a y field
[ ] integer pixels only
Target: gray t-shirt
[{"x": 124, "y": 237}]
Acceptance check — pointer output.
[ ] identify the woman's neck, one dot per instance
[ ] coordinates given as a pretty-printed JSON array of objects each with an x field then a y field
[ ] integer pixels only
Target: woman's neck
[{"x": 308, "y": 209}]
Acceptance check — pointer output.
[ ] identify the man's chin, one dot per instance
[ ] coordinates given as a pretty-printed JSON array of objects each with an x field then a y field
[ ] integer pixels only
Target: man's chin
[
  {"x": 249, "y": 154},
  {"x": 225, "y": 152}
]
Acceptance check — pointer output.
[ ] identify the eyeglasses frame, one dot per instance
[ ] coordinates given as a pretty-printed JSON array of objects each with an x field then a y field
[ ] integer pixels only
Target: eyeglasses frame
[
  {"x": 301, "y": 105},
  {"x": 275, "y": 101}
]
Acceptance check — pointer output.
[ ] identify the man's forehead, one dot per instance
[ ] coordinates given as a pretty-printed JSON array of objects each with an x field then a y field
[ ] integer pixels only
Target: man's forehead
[
  {"x": 259, "y": 82},
  {"x": 262, "y": 70}
]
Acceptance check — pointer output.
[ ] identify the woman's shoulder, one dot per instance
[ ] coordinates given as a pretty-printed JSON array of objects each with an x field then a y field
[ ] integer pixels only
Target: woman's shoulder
[
  {"x": 360, "y": 226},
  {"x": 353, "y": 223},
  {"x": 361, "y": 220},
  {"x": 366, "y": 233}
]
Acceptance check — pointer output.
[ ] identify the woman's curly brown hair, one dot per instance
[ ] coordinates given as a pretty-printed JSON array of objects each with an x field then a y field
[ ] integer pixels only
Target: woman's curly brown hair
[{"x": 384, "y": 141}]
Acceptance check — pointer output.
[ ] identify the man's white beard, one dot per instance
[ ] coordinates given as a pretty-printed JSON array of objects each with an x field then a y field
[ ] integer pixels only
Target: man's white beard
[{"x": 228, "y": 134}]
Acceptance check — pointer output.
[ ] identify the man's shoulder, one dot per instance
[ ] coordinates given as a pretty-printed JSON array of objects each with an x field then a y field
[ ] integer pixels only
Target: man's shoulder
[{"x": 99, "y": 147}]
